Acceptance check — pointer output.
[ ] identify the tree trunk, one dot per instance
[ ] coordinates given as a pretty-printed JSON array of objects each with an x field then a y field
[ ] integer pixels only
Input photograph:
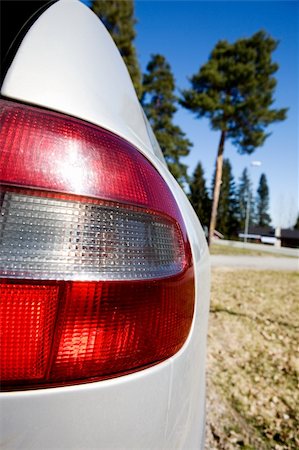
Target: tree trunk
[{"x": 217, "y": 186}]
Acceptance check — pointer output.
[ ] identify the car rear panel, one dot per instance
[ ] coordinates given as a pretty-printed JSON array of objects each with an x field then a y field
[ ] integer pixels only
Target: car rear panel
[{"x": 72, "y": 66}]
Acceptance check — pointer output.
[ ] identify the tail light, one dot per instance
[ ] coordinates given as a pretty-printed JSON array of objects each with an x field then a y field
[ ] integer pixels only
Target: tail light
[{"x": 96, "y": 275}]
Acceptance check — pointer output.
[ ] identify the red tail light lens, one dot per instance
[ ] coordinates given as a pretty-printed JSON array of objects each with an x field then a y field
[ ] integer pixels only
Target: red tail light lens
[
  {"x": 96, "y": 275},
  {"x": 27, "y": 323}
]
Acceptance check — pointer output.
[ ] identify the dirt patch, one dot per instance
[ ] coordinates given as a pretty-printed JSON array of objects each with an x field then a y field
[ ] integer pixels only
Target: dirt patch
[{"x": 253, "y": 361}]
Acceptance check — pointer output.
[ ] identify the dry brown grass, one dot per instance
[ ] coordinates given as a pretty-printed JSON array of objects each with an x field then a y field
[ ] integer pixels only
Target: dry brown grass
[
  {"x": 217, "y": 249},
  {"x": 253, "y": 364}
]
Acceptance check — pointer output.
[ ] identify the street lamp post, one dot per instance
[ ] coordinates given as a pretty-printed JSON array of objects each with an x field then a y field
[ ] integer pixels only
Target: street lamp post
[{"x": 246, "y": 228}]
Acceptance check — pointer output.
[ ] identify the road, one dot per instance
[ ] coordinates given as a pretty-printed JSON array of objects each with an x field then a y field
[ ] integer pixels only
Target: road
[{"x": 255, "y": 262}]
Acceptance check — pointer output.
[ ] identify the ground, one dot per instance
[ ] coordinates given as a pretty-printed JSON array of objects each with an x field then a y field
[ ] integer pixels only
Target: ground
[
  {"x": 253, "y": 360},
  {"x": 218, "y": 249}
]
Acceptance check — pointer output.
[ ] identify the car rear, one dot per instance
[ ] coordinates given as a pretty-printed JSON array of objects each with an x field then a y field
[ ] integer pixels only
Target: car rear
[{"x": 104, "y": 267}]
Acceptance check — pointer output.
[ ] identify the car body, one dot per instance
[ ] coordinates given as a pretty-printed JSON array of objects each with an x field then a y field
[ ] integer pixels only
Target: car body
[{"x": 67, "y": 63}]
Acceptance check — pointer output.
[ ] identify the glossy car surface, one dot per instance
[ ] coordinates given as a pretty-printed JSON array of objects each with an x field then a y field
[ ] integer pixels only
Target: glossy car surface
[{"x": 68, "y": 63}]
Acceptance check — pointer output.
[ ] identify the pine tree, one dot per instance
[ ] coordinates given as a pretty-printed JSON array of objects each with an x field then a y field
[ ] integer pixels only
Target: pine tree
[
  {"x": 296, "y": 226},
  {"x": 234, "y": 89},
  {"x": 244, "y": 195},
  {"x": 159, "y": 102},
  {"x": 227, "y": 208},
  {"x": 262, "y": 217},
  {"x": 199, "y": 196},
  {"x": 118, "y": 17}
]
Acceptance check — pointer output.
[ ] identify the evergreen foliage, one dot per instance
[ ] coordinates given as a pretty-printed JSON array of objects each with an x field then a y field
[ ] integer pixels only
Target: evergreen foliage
[
  {"x": 262, "y": 205},
  {"x": 234, "y": 89},
  {"x": 296, "y": 226},
  {"x": 118, "y": 17},
  {"x": 199, "y": 196},
  {"x": 227, "y": 207},
  {"x": 244, "y": 194},
  {"x": 159, "y": 102}
]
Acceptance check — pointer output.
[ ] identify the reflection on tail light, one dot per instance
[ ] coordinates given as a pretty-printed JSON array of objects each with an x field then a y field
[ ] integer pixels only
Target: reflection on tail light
[{"x": 96, "y": 275}]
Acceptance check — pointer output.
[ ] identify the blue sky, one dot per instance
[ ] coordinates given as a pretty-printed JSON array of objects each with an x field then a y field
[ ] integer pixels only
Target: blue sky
[{"x": 185, "y": 33}]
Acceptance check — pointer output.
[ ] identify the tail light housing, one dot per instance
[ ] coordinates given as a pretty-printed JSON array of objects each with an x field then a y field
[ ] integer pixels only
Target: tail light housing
[{"x": 96, "y": 276}]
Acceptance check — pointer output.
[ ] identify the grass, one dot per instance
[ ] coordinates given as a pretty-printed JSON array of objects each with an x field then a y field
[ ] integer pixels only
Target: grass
[
  {"x": 253, "y": 361},
  {"x": 217, "y": 249}
]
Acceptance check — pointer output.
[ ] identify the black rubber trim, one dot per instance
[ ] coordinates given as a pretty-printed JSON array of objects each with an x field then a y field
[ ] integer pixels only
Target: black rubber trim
[{"x": 16, "y": 19}]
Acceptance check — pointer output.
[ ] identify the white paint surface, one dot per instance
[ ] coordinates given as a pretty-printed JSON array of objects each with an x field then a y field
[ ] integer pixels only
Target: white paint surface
[{"x": 68, "y": 63}]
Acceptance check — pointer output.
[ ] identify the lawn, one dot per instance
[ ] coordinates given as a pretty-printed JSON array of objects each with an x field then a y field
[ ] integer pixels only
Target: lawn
[
  {"x": 253, "y": 361},
  {"x": 217, "y": 249}
]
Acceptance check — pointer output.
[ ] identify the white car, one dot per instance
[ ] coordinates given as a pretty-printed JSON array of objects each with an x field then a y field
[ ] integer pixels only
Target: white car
[{"x": 104, "y": 266}]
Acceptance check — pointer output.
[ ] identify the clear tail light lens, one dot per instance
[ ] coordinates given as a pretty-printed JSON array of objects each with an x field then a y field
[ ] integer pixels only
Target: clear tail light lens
[
  {"x": 96, "y": 276},
  {"x": 53, "y": 238}
]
